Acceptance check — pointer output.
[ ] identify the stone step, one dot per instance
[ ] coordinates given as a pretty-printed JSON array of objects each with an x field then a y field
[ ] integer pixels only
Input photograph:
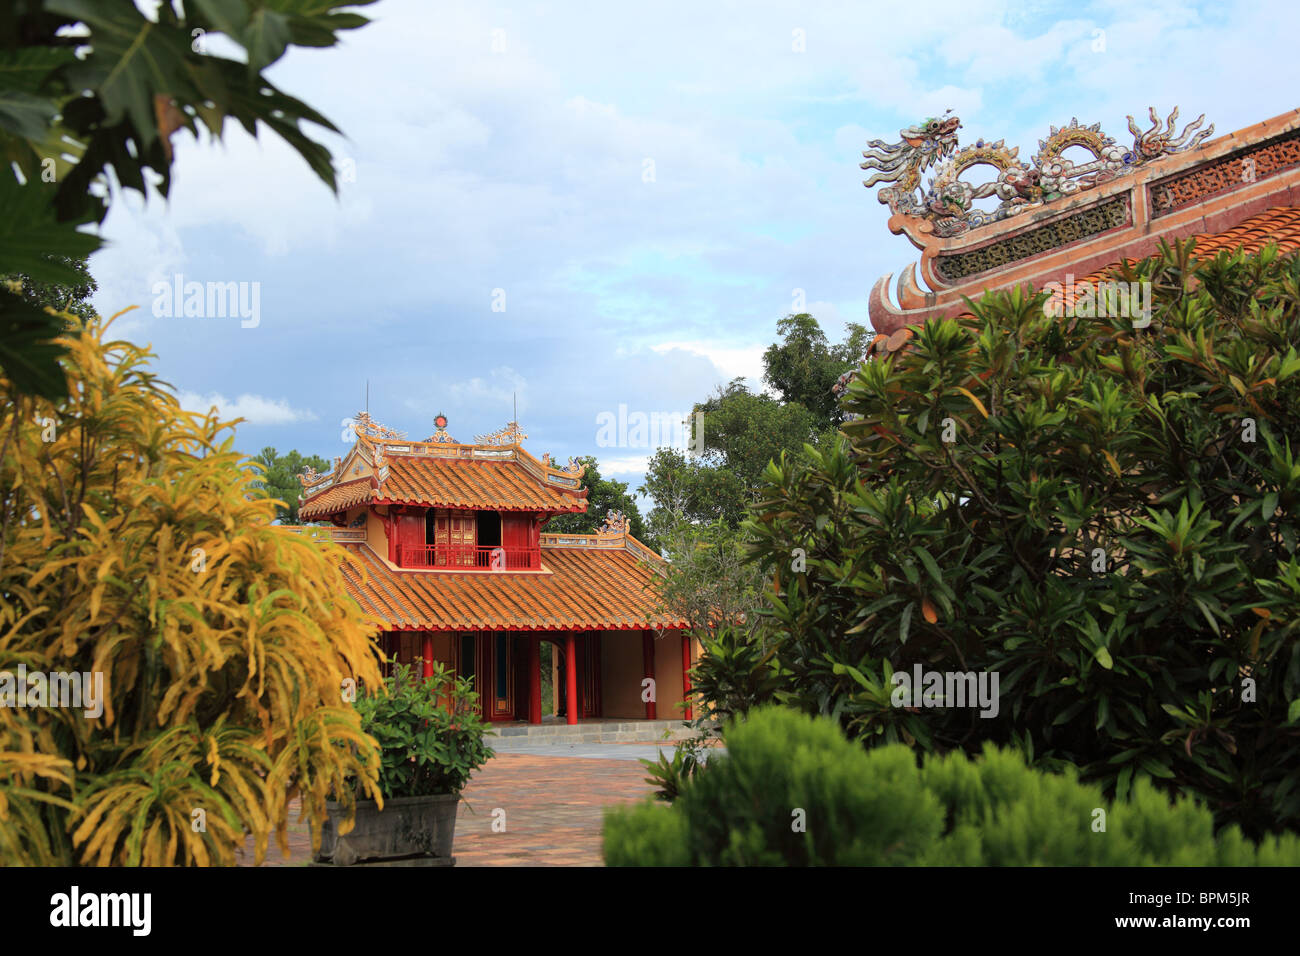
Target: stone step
[{"x": 610, "y": 731}]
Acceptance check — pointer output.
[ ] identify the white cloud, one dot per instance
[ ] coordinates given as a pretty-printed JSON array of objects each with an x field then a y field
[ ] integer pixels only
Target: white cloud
[
  {"x": 732, "y": 362},
  {"x": 500, "y": 388},
  {"x": 628, "y": 465},
  {"x": 255, "y": 409}
]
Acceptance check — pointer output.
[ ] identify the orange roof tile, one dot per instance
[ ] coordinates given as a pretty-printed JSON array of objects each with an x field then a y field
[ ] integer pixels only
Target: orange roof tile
[
  {"x": 1280, "y": 224},
  {"x": 448, "y": 483},
  {"x": 453, "y": 483},
  {"x": 338, "y": 498},
  {"x": 578, "y": 588}
]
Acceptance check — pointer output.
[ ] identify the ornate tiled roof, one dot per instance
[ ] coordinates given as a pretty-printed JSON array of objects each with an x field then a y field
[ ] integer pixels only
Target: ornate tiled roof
[
  {"x": 337, "y": 498},
  {"x": 384, "y": 468},
  {"x": 1280, "y": 225},
  {"x": 502, "y": 485},
  {"x": 582, "y": 585},
  {"x": 1059, "y": 222},
  {"x": 1056, "y": 217}
]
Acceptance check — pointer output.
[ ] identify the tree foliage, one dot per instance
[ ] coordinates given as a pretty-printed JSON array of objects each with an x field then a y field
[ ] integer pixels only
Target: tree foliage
[
  {"x": 1105, "y": 516},
  {"x": 742, "y": 432},
  {"x": 803, "y": 367},
  {"x": 73, "y": 296},
  {"x": 709, "y": 580},
  {"x": 133, "y": 547},
  {"x": 280, "y": 479},
  {"x": 93, "y": 87},
  {"x": 603, "y": 495}
]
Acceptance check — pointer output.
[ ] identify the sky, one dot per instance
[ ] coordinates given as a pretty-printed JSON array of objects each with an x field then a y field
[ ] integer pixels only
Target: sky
[{"x": 595, "y": 208}]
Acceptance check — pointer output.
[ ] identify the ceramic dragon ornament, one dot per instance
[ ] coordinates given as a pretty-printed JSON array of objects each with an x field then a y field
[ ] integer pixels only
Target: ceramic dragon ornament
[
  {"x": 902, "y": 163},
  {"x": 947, "y": 206}
]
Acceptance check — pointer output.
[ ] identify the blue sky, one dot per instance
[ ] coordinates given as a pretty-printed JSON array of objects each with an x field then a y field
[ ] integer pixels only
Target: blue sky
[{"x": 524, "y": 169}]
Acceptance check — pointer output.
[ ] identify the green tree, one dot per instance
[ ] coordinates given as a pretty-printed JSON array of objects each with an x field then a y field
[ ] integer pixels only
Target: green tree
[
  {"x": 742, "y": 432},
  {"x": 1105, "y": 517},
  {"x": 603, "y": 495},
  {"x": 803, "y": 367},
  {"x": 72, "y": 297},
  {"x": 709, "y": 580},
  {"x": 280, "y": 478},
  {"x": 93, "y": 86}
]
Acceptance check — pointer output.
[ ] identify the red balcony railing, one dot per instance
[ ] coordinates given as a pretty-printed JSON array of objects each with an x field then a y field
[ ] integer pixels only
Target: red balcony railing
[{"x": 471, "y": 558}]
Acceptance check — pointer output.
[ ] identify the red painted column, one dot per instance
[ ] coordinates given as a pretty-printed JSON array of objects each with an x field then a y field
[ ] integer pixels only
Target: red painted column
[
  {"x": 426, "y": 650},
  {"x": 570, "y": 679},
  {"x": 686, "y": 673},
  {"x": 535, "y": 680},
  {"x": 648, "y": 654}
]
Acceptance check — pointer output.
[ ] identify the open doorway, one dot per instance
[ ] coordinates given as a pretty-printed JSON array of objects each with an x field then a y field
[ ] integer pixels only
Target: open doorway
[{"x": 489, "y": 529}]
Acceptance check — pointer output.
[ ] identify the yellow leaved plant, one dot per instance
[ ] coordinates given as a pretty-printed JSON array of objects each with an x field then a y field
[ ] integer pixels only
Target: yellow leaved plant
[{"x": 134, "y": 545}]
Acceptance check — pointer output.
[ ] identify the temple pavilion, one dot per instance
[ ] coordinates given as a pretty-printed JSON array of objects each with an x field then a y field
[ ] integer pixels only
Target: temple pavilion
[
  {"x": 452, "y": 560},
  {"x": 1080, "y": 206}
]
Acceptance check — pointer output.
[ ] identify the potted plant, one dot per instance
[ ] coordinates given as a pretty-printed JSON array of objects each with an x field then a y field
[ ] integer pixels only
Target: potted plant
[{"x": 431, "y": 739}]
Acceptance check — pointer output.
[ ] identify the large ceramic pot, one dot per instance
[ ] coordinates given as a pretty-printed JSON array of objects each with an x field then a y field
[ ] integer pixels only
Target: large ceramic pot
[{"x": 408, "y": 828}]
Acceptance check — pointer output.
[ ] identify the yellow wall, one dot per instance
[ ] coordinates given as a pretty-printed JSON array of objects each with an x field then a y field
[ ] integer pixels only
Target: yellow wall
[
  {"x": 668, "y": 674},
  {"x": 622, "y": 664},
  {"x": 375, "y": 536},
  {"x": 622, "y": 670}
]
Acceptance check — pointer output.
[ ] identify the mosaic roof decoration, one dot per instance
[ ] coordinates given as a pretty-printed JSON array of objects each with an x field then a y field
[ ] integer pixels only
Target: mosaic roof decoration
[
  {"x": 310, "y": 476},
  {"x": 947, "y": 204},
  {"x": 615, "y": 523},
  {"x": 1279, "y": 225},
  {"x": 440, "y": 436},
  {"x": 512, "y": 434},
  {"x": 1061, "y": 216},
  {"x": 574, "y": 467},
  {"x": 365, "y": 425}
]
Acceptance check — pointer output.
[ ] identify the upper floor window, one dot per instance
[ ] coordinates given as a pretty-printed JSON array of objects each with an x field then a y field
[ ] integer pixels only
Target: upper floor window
[{"x": 482, "y": 540}]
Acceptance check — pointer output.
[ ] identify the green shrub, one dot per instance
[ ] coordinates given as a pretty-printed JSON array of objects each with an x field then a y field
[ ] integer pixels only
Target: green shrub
[
  {"x": 1105, "y": 516},
  {"x": 429, "y": 733},
  {"x": 877, "y": 807}
]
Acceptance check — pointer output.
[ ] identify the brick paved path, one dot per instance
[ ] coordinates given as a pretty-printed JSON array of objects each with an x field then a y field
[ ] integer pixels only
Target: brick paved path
[{"x": 554, "y": 810}]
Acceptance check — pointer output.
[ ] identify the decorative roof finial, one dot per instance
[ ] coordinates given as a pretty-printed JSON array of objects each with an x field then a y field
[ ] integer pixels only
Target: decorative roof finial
[
  {"x": 363, "y": 424},
  {"x": 902, "y": 163},
  {"x": 440, "y": 436},
  {"x": 512, "y": 434},
  {"x": 615, "y": 523}
]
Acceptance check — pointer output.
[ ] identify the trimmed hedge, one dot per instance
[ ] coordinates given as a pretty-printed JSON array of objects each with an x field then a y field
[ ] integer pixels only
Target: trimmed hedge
[{"x": 878, "y": 807}]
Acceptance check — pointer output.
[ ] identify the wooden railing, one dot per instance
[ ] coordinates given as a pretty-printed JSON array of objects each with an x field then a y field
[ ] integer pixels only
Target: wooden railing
[{"x": 471, "y": 558}]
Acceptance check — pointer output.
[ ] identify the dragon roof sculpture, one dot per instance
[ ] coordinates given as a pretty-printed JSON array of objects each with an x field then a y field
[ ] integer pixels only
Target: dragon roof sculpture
[
  {"x": 615, "y": 523},
  {"x": 365, "y": 425},
  {"x": 511, "y": 434},
  {"x": 947, "y": 208}
]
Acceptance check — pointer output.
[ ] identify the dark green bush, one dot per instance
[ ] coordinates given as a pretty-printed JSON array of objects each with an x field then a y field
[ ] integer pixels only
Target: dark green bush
[
  {"x": 876, "y": 807},
  {"x": 1070, "y": 439},
  {"x": 429, "y": 732}
]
